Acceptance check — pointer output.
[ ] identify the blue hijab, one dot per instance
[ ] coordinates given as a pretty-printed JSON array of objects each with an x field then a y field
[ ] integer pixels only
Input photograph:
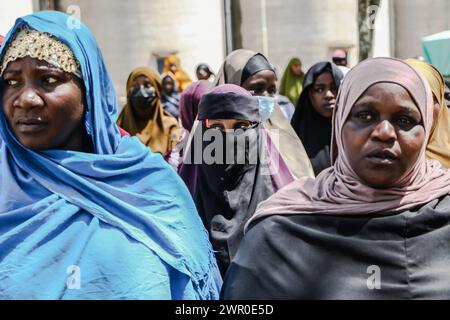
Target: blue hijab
[{"x": 114, "y": 224}]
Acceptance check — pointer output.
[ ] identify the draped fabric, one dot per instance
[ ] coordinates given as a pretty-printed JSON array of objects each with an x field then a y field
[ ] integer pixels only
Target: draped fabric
[
  {"x": 291, "y": 85},
  {"x": 313, "y": 129},
  {"x": 161, "y": 132},
  {"x": 228, "y": 191},
  {"x": 338, "y": 189},
  {"x": 113, "y": 224},
  {"x": 180, "y": 75},
  {"x": 439, "y": 144},
  {"x": 278, "y": 128}
]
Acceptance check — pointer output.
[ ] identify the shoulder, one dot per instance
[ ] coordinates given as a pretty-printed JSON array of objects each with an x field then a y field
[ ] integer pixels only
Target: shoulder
[{"x": 267, "y": 243}]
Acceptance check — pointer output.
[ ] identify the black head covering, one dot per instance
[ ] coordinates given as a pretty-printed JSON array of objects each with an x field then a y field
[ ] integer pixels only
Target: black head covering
[
  {"x": 229, "y": 105},
  {"x": 313, "y": 129},
  {"x": 256, "y": 64},
  {"x": 226, "y": 195}
]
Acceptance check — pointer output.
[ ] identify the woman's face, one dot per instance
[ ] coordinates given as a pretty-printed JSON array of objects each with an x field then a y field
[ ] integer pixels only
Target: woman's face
[
  {"x": 141, "y": 81},
  {"x": 296, "y": 68},
  {"x": 263, "y": 83},
  {"x": 44, "y": 106},
  {"x": 203, "y": 74},
  {"x": 383, "y": 135},
  {"x": 323, "y": 94},
  {"x": 168, "y": 85},
  {"x": 228, "y": 124}
]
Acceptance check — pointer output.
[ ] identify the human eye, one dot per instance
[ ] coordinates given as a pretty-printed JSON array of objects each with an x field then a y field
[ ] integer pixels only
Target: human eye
[
  {"x": 257, "y": 90},
  {"x": 242, "y": 125},
  {"x": 217, "y": 126},
  {"x": 11, "y": 82},
  {"x": 50, "y": 80},
  {"x": 406, "y": 122},
  {"x": 318, "y": 89},
  {"x": 272, "y": 91},
  {"x": 364, "y": 116}
]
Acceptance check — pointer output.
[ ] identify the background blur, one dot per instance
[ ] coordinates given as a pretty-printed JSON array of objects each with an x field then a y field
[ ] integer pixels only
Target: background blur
[{"x": 142, "y": 32}]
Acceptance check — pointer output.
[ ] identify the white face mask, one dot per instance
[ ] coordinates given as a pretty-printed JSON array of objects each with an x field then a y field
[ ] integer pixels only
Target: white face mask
[{"x": 266, "y": 107}]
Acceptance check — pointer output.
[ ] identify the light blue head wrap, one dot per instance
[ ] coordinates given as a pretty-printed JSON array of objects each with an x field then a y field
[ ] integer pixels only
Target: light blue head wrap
[{"x": 120, "y": 215}]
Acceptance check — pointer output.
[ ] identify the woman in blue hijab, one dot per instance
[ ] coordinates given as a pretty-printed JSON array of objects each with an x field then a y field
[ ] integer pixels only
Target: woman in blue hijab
[{"x": 84, "y": 212}]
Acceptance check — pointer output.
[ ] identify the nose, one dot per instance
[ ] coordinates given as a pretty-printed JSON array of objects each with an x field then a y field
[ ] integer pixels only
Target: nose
[
  {"x": 329, "y": 94},
  {"x": 385, "y": 132},
  {"x": 28, "y": 99}
]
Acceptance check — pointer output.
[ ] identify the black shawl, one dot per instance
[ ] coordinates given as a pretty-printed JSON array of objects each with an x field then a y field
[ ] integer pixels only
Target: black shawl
[
  {"x": 399, "y": 256},
  {"x": 227, "y": 194},
  {"x": 313, "y": 129}
]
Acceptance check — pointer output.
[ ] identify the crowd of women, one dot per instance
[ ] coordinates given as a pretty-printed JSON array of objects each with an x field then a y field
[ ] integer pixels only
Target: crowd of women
[{"x": 239, "y": 185}]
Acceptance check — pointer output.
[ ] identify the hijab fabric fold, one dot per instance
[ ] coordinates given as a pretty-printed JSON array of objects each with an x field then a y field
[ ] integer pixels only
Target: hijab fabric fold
[
  {"x": 161, "y": 132},
  {"x": 313, "y": 129},
  {"x": 111, "y": 212},
  {"x": 338, "y": 190},
  {"x": 291, "y": 85},
  {"x": 278, "y": 129},
  {"x": 439, "y": 143},
  {"x": 180, "y": 75},
  {"x": 226, "y": 195}
]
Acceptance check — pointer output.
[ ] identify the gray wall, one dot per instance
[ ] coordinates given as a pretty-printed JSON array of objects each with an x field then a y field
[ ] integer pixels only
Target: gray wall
[
  {"x": 304, "y": 28},
  {"x": 130, "y": 33},
  {"x": 415, "y": 19}
]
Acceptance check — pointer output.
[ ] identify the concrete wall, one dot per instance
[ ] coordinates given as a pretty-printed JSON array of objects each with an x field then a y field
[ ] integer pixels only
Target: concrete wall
[
  {"x": 415, "y": 19},
  {"x": 11, "y": 10},
  {"x": 304, "y": 28},
  {"x": 130, "y": 33}
]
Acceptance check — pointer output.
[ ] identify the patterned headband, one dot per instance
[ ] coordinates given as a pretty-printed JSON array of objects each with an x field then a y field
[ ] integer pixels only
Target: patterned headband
[{"x": 42, "y": 46}]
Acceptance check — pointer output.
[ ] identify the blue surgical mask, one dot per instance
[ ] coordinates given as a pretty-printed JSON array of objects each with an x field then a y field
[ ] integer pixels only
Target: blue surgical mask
[{"x": 266, "y": 107}]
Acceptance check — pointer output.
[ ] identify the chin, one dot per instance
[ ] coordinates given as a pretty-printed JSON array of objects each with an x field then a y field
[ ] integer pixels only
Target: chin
[
  {"x": 383, "y": 184},
  {"x": 33, "y": 144}
]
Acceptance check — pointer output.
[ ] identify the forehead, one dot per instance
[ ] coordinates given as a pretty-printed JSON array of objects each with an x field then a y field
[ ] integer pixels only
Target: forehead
[
  {"x": 388, "y": 93},
  {"x": 168, "y": 79},
  {"x": 264, "y": 75},
  {"x": 226, "y": 121},
  {"x": 324, "y": 78},
  {"x": 141, "y": 78},
  {"x": 19, "y": 64}
]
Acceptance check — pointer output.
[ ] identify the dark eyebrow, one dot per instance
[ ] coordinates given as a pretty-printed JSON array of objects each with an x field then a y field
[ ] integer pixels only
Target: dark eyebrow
[
  {"x": 13, "y": 71},
  {"x": 410, "y": 109},
  {"x": 48, "y": 67}
]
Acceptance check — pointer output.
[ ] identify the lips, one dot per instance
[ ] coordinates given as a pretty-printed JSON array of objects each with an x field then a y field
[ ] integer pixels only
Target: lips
[
  {"x": 31, "y": 125},
  {"x": 382, "y": 157},
  {"x": 329, "y": 105}
]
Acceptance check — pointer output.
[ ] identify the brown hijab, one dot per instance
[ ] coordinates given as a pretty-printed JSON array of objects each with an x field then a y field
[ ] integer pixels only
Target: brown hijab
[
  {"x": 161, "y": 131},
  {"x": 338, "y": 190}
]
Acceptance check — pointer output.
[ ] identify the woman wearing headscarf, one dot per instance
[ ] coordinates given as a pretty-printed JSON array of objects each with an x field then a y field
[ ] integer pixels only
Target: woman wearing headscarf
[
  {"x": 234, "y": 173},
  {"x": 203, "y": 72},
  {"x": 375, "y": 225},
  {"x": 170, "y": 98},
  {"x": 189, "y": 101},
  {"x": 253, "y": 72},
  {"x": 312, "y": 118},
  {"x": 84, "y": 212},
  {"x": 143, "y": 115},
  {"x": 439, "y": 144},
  {"x": 172, "y": 66},
  {"x": 292, "y": 80}
]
